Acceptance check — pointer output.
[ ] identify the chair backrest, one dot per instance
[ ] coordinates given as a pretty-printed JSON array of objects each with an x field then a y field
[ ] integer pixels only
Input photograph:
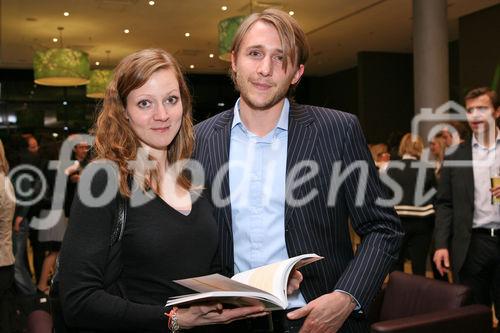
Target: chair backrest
[{"x": 408, "y": 295}]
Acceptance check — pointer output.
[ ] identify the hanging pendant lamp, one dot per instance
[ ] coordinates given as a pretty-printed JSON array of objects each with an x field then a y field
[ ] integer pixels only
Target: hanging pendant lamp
[
  {"x": 61, "y": 67},
  {"x": 227, "y": 30}
]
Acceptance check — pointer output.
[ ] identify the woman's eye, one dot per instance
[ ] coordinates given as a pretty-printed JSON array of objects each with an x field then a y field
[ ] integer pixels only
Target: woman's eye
[
  {"x": 172, "y": 99},
  {"x": 143, "y": 104}
]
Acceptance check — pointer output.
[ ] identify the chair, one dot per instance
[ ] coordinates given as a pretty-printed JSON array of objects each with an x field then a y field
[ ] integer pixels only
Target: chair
[{"x": 411, "y": 303}]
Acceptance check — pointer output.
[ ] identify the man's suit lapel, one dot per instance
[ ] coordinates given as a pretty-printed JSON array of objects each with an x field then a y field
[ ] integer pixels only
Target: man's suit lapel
[
  {"x": 469, "y": 173},
  {"x": 219, "y": 156},
  {"x": 301, "y": 142}
]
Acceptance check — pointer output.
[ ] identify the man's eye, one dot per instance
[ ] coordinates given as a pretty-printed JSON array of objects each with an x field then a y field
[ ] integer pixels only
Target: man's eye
[
  {"x": 278, "y": 57},
  {"x": 143, "y": 104},
  {"x": 254, "y": 53}
]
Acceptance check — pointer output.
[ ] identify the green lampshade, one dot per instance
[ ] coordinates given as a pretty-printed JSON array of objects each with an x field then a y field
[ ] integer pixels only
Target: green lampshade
[
  {"x": 227, "y": 30},
  {"x": 61, "y": 67},
  {"x": 99, "y": 79}
]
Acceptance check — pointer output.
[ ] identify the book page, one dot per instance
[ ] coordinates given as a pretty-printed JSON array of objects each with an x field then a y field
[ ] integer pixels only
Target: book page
[
  {"x": 273, "y": 278},
  {"x": 214, "y": 282}
]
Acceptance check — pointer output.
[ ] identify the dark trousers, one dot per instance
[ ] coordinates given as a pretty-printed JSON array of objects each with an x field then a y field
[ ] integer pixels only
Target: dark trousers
[
  {"x": 6, "y": 299},
  {"x": 416, "y": 243},
  {"x": 276, "y": 322},
  {"x": 481, "y": 269}
]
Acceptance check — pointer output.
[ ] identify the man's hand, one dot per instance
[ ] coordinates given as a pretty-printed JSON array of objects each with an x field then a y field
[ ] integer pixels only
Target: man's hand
[
  {"x": 294, "y": 281},
  {"x": 17, "y": 223},
  {"x": 442, "y": 261},
  {"x": 495, "y": 192},
  {"x": 325, "y": 314}
]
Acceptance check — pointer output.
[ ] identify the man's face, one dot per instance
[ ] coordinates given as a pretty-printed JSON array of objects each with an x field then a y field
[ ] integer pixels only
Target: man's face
[
  {"x": 81, "y": 150},
  {"x": 32, "y": 145},
  {"x": 260, "y": 77},
  {"x": 481, "y": 114},
  {"x": 448, "y": 137}
]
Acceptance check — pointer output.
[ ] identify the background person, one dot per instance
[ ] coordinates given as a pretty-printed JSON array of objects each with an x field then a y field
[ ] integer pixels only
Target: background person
[
  {"x": 7, "y": 208},
  {"x": 417, "y": 217},
  {"x": 467, "y": 223}
]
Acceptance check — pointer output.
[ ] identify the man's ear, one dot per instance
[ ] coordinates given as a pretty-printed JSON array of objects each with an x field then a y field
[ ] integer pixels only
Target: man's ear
[
  {"x": 298, "y": 74},
  {"x": 496, "y": 113}
]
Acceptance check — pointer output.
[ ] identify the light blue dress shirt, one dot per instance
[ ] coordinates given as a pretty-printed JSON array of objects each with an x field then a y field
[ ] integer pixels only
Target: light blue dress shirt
[{"x": 257, "y": 177}]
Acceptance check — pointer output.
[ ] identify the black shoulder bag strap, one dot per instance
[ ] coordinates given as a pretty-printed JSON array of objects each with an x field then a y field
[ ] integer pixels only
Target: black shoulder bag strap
[{"x": 112, "y": 271}]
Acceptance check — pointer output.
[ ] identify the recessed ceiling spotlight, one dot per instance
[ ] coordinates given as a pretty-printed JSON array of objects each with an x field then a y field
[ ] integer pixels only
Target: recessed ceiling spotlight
[
  {"x": 191, "y": 66},
  {"x": 55, "y": 135},
  {"x": 224, "y": 8},
  {"x": 97, "y": 63},
  {"x": 55, "y": 40},
  {"x": 187, "y": 34},
  {"x": 291, "y": 13},
  {"x": 211, "y": 55},
  {"x": 65, "y": 103},
  {"x": 126, "y": 31},
  {"x": 66, "y": 13},
  {"x": 151, "y": 3}
]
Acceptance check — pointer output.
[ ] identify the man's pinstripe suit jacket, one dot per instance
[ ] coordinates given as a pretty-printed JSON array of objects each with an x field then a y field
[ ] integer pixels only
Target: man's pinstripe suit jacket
[{"x": 327, "y": 137}]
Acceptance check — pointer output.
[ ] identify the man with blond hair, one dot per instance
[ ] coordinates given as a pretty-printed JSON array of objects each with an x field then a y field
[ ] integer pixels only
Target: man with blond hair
[{"x": 270, "y": 165}]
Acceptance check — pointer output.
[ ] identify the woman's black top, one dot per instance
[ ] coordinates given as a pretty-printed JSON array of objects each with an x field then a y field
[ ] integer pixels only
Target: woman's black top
[{"x": 159, "y": 245}]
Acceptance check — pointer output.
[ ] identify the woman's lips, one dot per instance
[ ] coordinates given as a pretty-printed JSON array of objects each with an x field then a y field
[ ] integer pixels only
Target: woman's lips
[{"x": 161, "y": 129}]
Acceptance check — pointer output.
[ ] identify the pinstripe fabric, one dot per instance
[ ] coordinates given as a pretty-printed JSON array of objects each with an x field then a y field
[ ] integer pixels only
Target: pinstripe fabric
[{"x": 327, "y": 137}]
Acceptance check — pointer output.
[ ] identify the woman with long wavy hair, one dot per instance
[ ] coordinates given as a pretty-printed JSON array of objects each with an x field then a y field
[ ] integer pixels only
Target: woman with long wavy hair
[{"x": 144, "y": 129}]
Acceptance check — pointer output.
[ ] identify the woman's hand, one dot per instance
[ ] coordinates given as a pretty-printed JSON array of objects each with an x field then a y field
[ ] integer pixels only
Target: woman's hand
[
  {"x": 215, "y": 313},
  {"x": 294, "y": 282}
]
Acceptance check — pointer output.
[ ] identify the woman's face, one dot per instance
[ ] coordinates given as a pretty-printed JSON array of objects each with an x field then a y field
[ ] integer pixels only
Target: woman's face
[{"x": 154, "y": 110}]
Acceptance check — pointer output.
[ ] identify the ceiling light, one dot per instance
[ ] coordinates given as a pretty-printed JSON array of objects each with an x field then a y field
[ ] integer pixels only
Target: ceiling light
[
  {"x": 224, "y": 8},
  {"x": 151, "y": 3},
  {"x": 187, "y": 34},
  {"x": 126, "y": 31},
  {"x": 55, "y": 135},
  {"x": 61, "y": 67},
  {"x": 97, "y": 63},
  {"x": 227, "y": 30},
  {"x": 65, "y": 103},
  {"x": 99, "y": 80},
  {"x": 66, "y": 13},
  {"x": 191, "y": 66},
  {"x": 291, "y": 13},
  {"x": 211, "y": 55},
  {"x": 220, "y": 104},
  {"x": 66, "y": 128},
  {"x": 55, "y": 40}
]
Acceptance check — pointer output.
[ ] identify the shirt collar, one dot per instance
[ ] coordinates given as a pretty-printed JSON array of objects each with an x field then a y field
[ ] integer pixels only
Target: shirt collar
[
  {"x": 476, "y": 143},
  {"x": 282, "y": 122}
]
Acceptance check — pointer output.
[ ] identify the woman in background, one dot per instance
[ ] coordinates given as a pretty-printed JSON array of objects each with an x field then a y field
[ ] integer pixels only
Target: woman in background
[
  {"x": 7, "y": 208},
  {"x": 417, "y": 216}
]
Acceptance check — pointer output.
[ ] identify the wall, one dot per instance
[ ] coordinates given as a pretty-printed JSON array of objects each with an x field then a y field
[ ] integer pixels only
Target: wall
[{"x": 479, "y": 48}]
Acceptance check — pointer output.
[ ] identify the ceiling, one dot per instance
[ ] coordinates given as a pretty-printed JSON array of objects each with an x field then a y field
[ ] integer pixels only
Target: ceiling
[{"x": 337, "y": 29}]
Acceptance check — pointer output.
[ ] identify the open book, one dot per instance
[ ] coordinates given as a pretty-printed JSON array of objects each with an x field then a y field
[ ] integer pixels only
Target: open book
[{"x": 266, "y": 284}]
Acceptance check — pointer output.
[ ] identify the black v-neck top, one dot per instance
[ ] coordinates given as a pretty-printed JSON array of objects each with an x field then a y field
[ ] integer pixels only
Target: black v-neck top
[{"x": 160, "y": 244}]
